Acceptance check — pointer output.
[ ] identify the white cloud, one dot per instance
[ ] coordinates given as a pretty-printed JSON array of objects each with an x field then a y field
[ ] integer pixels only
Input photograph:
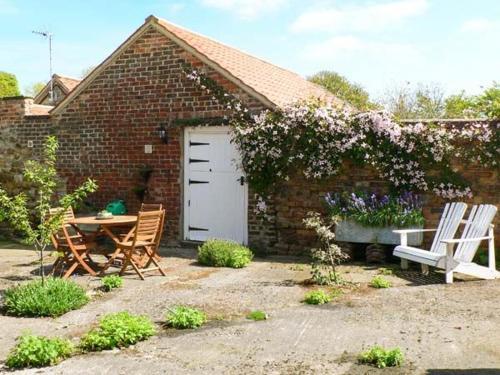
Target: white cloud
[
  {"x": 371, "y": 16},
  {"x": 354, "y": 47},
  {"x": 7, "y": 7},
  {"x": 479, "y": 25},
  {"x": 246, "y": 9},
  {"x": 176, "y": 7}
]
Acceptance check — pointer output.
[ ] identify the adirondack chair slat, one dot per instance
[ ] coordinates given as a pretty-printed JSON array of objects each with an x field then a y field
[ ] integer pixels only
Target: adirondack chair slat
[{"x": 448, "y": 225}]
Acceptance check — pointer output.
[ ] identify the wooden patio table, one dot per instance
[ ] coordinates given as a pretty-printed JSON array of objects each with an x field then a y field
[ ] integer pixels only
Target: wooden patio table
[{"x": 106, "y": 225}]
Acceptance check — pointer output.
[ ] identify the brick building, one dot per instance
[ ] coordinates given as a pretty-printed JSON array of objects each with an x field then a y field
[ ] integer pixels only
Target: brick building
[{"x": 109, "y": 128}]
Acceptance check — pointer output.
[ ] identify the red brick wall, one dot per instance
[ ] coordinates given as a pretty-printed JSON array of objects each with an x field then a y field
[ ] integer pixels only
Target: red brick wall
[{"x": 299, "y": 196}]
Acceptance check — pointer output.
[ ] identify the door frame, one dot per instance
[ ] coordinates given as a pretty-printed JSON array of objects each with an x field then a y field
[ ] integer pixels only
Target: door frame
[{"x": 205, "y": 129}]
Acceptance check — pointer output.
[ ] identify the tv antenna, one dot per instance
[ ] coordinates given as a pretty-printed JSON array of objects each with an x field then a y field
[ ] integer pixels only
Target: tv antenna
[{"x": 48, "y": 35}]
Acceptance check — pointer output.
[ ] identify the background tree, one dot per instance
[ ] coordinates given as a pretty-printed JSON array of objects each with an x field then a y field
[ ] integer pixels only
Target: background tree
[
  {"x": 86, "y": 71},
  {"x": 343, "y": 89},
  {"x": 488, "y": 103},
  {"x": 42, "y": 175},
  {"x": 460, "y": 106},
  {"x": 424, "y": 101},
  {"x": 8, "y": 85},
  {"x": 34, "y": 89}
]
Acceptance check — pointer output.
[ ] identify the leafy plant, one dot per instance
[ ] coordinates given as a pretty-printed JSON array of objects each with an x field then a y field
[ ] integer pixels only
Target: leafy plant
[
  {"x": 38, "y": 351},
  {"x": 224, "y": 253},
  {"x": 42, "y": 175},
  {"x": 111, "y": 282},
  {"x": 326, "y": 257},
  {"x": 53, "y": 297},
  {"x": 379, "y": 211},
  {"x": 385, "y": 271},
  {"x": 381, "y": 358},
  {"x": 257, "y": 315},
  {"x": 317, "y": 297},
  {"x": 118, "y": 330},
  {"x": 182, "y": 317},
  {"x": 380, "y": 282}
]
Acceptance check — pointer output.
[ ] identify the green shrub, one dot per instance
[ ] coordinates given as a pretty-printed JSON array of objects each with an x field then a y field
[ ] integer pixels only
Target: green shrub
[
  {"x": 182, "y": 317},
  {"x": 380, "y": 357},
  {"x": 317, "y": 297},
  {"x": 257, "y": 315},
  {"x": 111, "y": 282},
  {"x": 224, "y": 253},
  {"x": 37, "y": 351},
  {"x": 118, "y": 330},
  {"x": 52, "y": 298},
  {"x": 380, "y": 282}
]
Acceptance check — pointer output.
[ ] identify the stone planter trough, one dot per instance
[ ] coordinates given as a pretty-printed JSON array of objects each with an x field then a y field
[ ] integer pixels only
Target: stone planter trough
[{"x": 351, "y": 231}]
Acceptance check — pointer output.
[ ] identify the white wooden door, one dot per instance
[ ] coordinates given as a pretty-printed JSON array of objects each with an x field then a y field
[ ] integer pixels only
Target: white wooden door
[{"x": 215, "y": 192}]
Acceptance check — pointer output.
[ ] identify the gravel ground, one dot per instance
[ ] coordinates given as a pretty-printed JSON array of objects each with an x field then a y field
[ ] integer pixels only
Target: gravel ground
[{"x": 442, "y": 329}]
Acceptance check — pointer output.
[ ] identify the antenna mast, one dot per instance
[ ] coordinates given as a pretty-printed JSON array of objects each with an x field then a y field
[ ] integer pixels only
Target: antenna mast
[{"x": 48, "y": 35}]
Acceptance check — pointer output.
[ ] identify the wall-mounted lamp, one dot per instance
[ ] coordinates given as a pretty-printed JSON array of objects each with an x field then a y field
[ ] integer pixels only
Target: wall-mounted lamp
[{"x": 162, "y": 131}]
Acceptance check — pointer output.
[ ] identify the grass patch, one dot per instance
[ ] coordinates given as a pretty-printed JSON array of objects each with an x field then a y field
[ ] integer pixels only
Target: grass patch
[
  {"x": 257, "y": 315},
  {"x": 183, "y": 317},
  {"x": 317, "y": 297},
  {"x": 117, "y": 331},
  {"x": 380, "y": 357},
  {"x": 38, "y": 351},
  {"x": 380, "y": 282},
  {"x": 53, "y": 298},
  {"x": 224, "y": 253},
  {"x": 111, "y": 282}
]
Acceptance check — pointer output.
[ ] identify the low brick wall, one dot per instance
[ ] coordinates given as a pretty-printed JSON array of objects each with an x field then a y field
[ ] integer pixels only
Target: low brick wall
[{"x": 299, "y": 196}]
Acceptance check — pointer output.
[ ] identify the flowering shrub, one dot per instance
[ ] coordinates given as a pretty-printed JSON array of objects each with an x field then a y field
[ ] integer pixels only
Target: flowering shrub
[
  {"x": 374, "y": 210},
  {"x": 326, "y": 257},
  {"x": 316, "y": 138}
]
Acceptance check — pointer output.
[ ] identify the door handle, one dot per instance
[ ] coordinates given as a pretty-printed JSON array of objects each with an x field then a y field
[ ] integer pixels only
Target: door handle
[{"x": 241, "y": 180}]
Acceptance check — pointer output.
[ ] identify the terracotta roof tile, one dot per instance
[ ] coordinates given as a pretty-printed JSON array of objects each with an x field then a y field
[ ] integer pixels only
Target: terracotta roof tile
[
  {"x": 69, "y": 83},
  {"x": 278, "y": 85}
]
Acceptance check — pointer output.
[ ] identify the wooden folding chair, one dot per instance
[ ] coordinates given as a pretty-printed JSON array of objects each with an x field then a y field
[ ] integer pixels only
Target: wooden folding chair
[
  {"x": 139, "y": 251},
  {"x": 72, "y": 245},
  {"x": 145, "y": 260}
]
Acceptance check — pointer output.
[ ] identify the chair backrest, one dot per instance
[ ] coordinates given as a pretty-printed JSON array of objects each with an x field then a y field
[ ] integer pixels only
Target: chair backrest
[
  {"x": 148, "y": 225},
  {"x": 477, "y": 225},
  {"x": 450, "y": 220},
  {"x": 151, "y": 207},
  {"x": 68, "y": 214},
  {"x": 59, "y": 238}
]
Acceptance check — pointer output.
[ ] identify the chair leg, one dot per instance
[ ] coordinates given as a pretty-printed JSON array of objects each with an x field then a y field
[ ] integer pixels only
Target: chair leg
[
  {"x": 491, "y": 251},
  {"x": 70, "y": 270},
  {"x": 404, "y": 264},
  {"x": 449, "y": 263},
  {"x": 110, "y": 260},
  {"x": 425, "y": 269}
]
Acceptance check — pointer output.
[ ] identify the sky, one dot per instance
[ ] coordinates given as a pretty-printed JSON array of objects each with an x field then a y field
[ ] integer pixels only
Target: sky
[{"x": 377, "y": 43}]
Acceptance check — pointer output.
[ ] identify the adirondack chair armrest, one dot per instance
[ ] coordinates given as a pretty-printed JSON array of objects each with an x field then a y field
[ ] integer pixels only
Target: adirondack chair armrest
[
  {"x": 401, "y": 231},
  {"x": 458, "y": 240}
]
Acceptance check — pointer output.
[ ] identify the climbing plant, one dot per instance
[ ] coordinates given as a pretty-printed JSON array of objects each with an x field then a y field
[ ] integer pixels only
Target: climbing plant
[{"x": 316, "y": 138}]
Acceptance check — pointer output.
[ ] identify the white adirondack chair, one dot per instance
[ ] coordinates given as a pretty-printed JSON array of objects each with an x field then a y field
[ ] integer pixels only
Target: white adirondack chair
[{"x": 441, "y": 254}]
